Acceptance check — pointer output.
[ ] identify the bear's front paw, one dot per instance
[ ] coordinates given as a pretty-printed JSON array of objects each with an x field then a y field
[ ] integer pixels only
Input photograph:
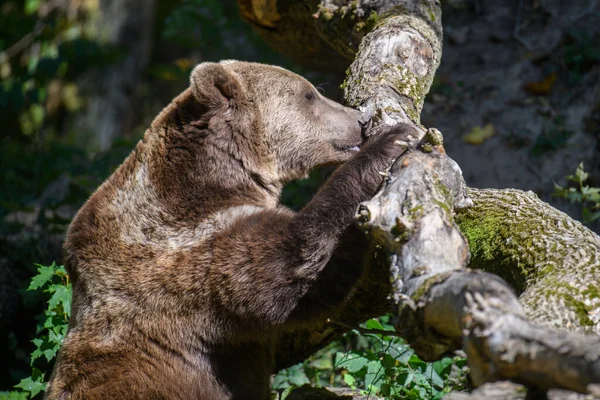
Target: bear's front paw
[{"x": 393, "y": 139}]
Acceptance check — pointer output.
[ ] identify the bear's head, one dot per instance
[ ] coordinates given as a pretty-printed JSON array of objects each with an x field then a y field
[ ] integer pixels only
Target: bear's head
[{"x": 281, "y": 117}]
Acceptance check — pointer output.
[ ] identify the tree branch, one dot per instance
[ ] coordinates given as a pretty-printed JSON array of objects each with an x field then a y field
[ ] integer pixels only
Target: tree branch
[{"x": 440, "y": 304}]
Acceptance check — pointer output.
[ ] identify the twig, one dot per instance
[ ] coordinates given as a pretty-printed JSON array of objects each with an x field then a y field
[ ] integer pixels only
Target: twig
[
  {"x": 26, "y": 40},
  {"x": 23, "y": 43}
]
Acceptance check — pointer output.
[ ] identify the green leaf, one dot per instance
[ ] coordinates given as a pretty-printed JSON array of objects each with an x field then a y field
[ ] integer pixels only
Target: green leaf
[
  {"x": 401, "y": 352},
  {"x": 44, "y": 275},
  {"x": 416, "y": 363},
  {"x": 51, "y": 353},
  {"x": 374, "y": 324},
  {"x": 349, "y": 379},
  {"x": 32, "y": 386},
  {"x": 374, "y": 374},
  {"x": 581, "y": 175},
  {"x": 588, "y": 216},
  {"x": 574, "y": 196},
  {"x": 62, "y": 295},
  {"x": 591, "y": 194},
  {"x": 443, "y": 366},
  {"x": 385, "y": 389},
  {"x": 37, "y": 353},
  {"x": 297, "y": 376},
  {"x": 353, "y": 362},
  {"x": 292, "y": 376},
  {"x": 389, "y": 362},
  {"x": 13, "y": 396},
  {"x": 280, "y": 382},
  {"x": 405, "y": 378},
  {"x": 322, "y": 363},
  {"x": 434, "y": 376},
  {"x": 56, "y": 337},
  {"x": 31, "y": 6}
]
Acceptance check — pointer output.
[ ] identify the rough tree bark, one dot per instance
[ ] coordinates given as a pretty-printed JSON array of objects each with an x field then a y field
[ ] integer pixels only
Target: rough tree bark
[{"x": 442, "y": 305}]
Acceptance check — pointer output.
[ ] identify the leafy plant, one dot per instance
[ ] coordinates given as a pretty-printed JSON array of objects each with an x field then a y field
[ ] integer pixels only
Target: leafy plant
[
  {"x": 588, "y": 197},
  {"x": 51, "y": 331},
  {"x": 376, "y": 364}
]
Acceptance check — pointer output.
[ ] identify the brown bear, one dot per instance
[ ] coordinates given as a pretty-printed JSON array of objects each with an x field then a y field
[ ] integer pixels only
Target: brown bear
[{"x": 185, "y": 268}]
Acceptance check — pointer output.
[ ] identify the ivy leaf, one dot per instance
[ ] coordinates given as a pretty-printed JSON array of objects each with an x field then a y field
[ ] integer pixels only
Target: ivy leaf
[
  {"x": 44, "y": 275},
  {"x": 55, "y": 337},
  {"x": 13, "y": 395},
  {"x": 50, "y": 353},
  {"x": 37, "y": 353},
  {"x": 32, "y": 386},
  {"x": 61, "y": 295}
]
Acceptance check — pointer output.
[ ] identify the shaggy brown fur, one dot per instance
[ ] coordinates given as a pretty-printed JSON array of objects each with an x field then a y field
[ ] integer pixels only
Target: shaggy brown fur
[{"x": 185, "y": 268}]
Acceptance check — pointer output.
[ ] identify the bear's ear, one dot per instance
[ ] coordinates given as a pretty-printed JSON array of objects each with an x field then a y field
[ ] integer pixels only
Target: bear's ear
[{"x": 214, "y": 85}]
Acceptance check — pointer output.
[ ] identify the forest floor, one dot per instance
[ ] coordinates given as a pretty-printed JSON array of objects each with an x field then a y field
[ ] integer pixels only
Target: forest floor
[{"x": 517, "y": 95}]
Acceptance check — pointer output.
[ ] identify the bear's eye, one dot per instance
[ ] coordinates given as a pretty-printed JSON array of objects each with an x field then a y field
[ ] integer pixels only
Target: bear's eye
[{"x": 310, "y": 96}]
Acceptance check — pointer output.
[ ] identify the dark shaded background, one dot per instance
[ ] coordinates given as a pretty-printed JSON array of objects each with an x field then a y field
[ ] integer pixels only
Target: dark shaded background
[{"x": 82, "y": 79}]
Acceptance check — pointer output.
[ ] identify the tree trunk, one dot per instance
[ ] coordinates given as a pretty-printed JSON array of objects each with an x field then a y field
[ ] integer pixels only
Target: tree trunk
[
  {"x": 126, "y": 25},
  {"x": 441, "y": 305}
]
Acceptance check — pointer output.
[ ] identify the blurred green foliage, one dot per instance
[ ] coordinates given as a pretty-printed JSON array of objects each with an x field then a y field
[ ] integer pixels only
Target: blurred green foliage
[{"x": 44, "y": 47}]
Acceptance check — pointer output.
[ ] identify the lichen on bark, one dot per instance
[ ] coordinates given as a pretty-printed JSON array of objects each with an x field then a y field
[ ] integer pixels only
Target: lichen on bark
[
  {"x": 552, "y": 260},
  {"x": 394, "y": 69}
]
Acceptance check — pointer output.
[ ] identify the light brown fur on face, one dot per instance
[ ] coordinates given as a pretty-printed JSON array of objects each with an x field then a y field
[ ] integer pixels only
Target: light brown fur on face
[{"x": 185, "y": 268}]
